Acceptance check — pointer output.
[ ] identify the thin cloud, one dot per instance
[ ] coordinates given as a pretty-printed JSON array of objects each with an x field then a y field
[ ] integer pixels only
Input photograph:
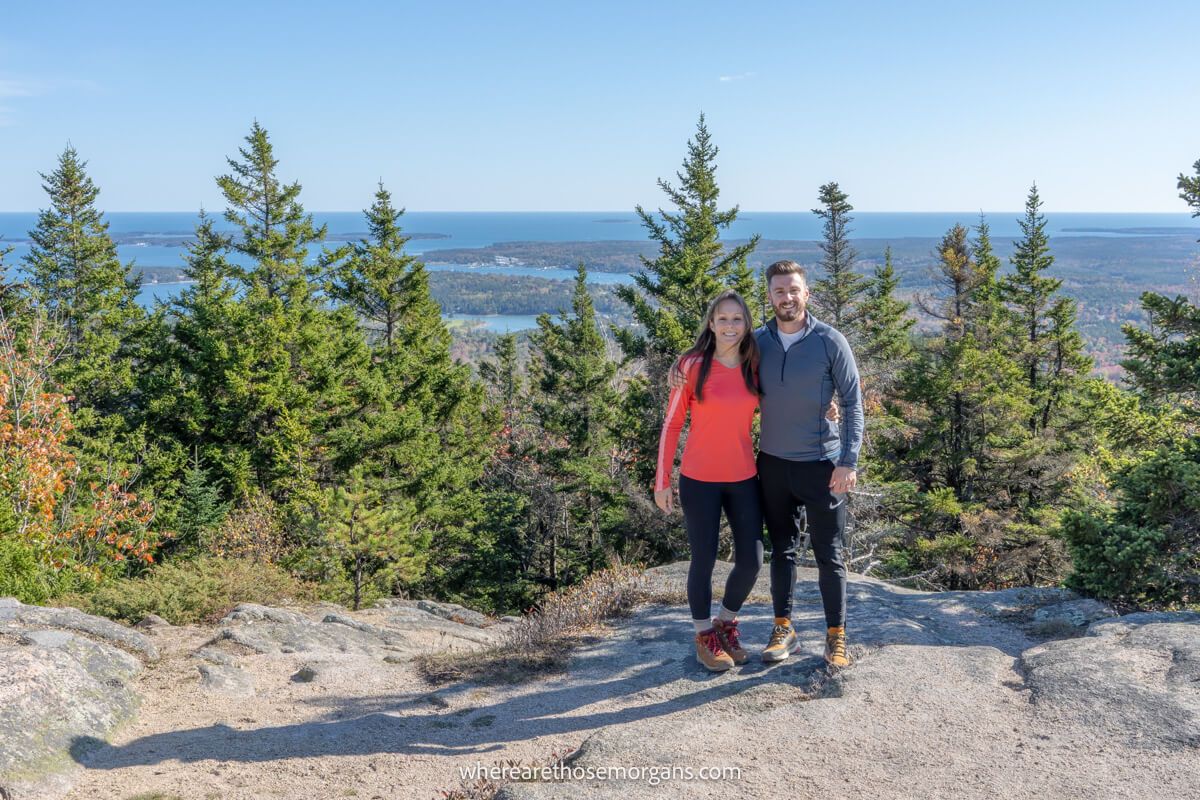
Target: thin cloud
[
  {"x": 741, "y": 76},
  {"x": 16, "y": 88}
]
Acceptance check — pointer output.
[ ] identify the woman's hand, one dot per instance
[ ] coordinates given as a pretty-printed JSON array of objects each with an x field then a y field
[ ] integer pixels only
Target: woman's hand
[{"x": 665, "y": 499}]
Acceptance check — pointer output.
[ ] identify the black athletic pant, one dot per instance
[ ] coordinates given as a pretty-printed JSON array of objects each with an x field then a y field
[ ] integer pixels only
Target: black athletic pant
[
  {"x": 786, "y": 486},
  {"x": 702, "y": 502}
]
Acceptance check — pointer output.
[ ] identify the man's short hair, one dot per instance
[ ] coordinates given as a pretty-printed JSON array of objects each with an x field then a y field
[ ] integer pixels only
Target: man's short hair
[{"x": 785, "y": 267}]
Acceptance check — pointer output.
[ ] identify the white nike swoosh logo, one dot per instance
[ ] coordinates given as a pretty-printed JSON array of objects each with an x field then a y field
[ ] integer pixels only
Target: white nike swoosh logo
[{"x": 832, "y": 506}]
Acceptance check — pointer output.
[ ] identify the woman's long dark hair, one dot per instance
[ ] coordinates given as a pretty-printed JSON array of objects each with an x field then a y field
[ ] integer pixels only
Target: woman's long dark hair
[{"x": 706, "y": 346}]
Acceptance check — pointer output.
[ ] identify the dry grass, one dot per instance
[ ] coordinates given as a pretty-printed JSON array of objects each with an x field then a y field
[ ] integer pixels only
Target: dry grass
[{"x": 542, "y": 642}]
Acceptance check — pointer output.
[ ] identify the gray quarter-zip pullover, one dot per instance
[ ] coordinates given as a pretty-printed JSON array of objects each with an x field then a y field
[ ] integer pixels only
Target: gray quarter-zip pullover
[{"x": 798, "y": 385}]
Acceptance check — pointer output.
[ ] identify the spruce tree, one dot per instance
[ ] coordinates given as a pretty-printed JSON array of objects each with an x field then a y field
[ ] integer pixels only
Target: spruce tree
[
  {"x": 300, "y": 363},
  {"x": 886, "y": 345},
  {"x": 201, "y": 508},
  {"x": 1030, "y": 295},
  {"x": 77, "y": 278},
  {"x": 419, "y": 426},
  {"x": 370, "y": 275},
  {"x": 840, "y": 293},
  {"x": 671, "y": 293},
  {"x": 1145, "y": 548},
  {"x": 10, "y": 291},
  {"x": 188, "y": 386},
  {"x": 575, "y": 405}
]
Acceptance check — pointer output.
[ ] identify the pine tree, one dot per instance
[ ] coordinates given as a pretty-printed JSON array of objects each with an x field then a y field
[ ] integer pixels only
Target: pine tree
[
  {"x": 371, "y": 277},
  {"x": 1030, "y": 295},
  {"x": 76, "y": 277},
  {"x": 295, "y": 376},
  {"x": 201, "y": 506},
  {"x": 671, "y": 293},
  {"x": 377, "y": 540},
  {"x": 575, "y": 406},
  {"x": 840, "y": 293}
]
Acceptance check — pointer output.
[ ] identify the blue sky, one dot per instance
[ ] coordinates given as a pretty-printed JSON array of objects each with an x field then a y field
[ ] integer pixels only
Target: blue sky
[{"x": 917, "y": 106}]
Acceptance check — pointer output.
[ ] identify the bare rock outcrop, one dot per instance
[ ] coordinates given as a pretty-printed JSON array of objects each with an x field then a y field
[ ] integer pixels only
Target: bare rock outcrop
[{"x": 62, "y": 674}]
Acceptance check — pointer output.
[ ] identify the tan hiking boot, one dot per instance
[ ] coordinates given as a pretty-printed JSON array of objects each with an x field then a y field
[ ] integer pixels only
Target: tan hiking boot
[
  {"x": 782, "y": 643},
  {"x": 731, "y": 641},
  {"x": 710, "y": 653},
  {"x": 835, "y": 648}
]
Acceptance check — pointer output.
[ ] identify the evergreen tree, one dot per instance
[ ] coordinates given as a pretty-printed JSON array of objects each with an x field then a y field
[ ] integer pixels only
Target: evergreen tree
[
  {"x": 692, "y": 265},
  {"x": 503, "y": 375},
  {"x": 420, "y": 427},
  {"x": 884, "y": 353},
  {"x": 887, "y": 327},
  {"x": 76, "y": 277},
  {"x": 300, "y": 364},
  {"x": 839, "y": 295},
  {"x": 275, "y": 232},
  {"x": 1030, "y": 295},
  {"x": 671, "y": 293},
  {"x": 1189, "y": 188},
  {"x": 201, "y": 507},
  {"x": 1145, "y": 549},
  {"x": 378, "y": 542},
  {"x": 371, "y": 277},
  {"x": 12, "y": 300},
  {"x": 575, "y": 406}
]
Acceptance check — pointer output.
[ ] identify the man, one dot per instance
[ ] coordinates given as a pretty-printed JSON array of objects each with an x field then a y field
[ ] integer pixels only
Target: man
[{"x": 804, "y": 459}]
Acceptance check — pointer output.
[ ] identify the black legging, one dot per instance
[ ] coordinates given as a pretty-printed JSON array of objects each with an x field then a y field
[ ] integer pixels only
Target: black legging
[{"x": 702, "y": 502}]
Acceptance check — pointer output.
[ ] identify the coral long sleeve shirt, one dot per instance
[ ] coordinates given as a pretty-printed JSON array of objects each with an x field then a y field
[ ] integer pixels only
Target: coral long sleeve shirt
[{"x": 718, "y": 448}]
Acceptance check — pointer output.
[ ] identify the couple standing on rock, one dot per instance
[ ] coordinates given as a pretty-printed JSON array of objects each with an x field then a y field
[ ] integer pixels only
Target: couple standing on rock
[{"x": 791, "y": 367}]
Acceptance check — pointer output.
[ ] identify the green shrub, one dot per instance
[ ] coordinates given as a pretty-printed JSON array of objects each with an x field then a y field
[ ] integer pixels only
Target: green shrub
[
  {"x": 1147, "y": 551},
  {"x": 191, "y": 591},
  {"x": 24, "y": 577}
]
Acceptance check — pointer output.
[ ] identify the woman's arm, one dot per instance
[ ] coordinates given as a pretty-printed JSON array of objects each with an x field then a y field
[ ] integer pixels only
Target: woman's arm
[{"x": 668, "y": 441}]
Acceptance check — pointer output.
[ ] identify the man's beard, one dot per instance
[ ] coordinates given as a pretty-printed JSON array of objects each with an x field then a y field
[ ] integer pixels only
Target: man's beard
[{"x": 787, "y": 315}]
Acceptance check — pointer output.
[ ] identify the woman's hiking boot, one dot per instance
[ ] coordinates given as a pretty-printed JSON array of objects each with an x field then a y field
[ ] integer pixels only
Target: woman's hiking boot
[
  {"x": 710, "y": 653},
  {"x": 731, "y": 640}
]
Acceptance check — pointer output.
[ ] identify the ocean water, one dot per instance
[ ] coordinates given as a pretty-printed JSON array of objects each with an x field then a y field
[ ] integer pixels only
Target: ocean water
[{"x": 145, "y": 233}]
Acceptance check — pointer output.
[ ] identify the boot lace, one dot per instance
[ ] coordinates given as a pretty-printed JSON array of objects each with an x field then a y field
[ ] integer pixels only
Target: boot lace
[
  {"x": 712, "y": 643},
  {"x": 837, "y": 645},
  {"x": 730, "y": 629},
  {"x": 779, "y": 635}
]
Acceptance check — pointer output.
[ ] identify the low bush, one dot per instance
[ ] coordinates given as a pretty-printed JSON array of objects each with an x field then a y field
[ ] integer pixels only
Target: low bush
[
  {"x": 191, "y": 591},
  {"x": 542, "y": 641},
  {"x": 1145, "y": 552}
]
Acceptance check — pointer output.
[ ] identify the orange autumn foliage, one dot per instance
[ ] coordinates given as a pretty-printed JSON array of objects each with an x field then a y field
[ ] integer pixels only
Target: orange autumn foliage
[{"x": 41, "y": 502}]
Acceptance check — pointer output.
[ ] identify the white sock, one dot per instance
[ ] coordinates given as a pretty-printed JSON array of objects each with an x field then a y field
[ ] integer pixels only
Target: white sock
[
  {"x": 725, "y": 615},
  {"x": 702, "y": 625}
]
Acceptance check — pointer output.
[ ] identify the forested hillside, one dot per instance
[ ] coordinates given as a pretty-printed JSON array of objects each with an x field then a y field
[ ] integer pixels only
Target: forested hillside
[{"x": 297, "y": 419}]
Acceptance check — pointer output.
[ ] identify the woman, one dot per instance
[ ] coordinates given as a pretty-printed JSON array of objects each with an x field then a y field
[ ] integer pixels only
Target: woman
[{"x": 717, "y": 471}]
